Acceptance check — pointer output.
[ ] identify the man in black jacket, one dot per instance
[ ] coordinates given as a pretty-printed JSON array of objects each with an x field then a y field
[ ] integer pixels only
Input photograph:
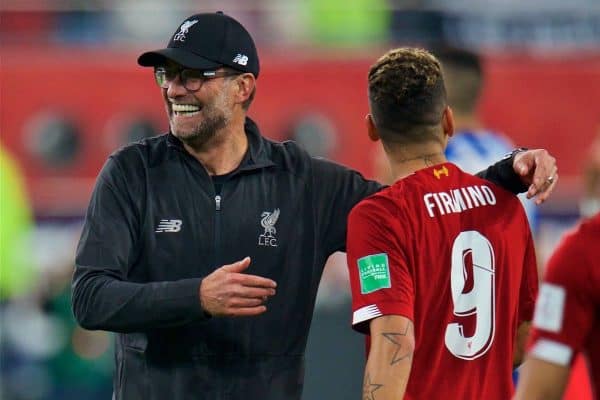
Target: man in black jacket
[{"x": 205, "y": 223}]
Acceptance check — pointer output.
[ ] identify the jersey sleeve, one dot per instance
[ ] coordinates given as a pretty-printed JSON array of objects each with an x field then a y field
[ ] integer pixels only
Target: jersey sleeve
[
  {"x": 529, "y": 282},
  {"x": 380, "y": 276},
  {"x": 565, "y": 310}
]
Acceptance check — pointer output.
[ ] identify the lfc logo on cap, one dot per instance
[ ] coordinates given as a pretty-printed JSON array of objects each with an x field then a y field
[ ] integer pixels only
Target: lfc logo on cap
[{"x": 183, "y": 30}]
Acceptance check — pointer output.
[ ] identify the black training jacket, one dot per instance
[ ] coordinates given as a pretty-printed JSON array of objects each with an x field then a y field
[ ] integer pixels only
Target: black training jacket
[{"x": 155, "y": 227}]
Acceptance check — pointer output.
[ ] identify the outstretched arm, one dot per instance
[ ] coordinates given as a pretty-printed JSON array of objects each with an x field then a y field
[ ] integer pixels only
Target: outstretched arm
[
  {"x": 520, "y": 342},
  {"x": 390, "y": 358},
  {"x": 537, "y": 168},
  {"x": 531, "y": 171},
  {"x": 541, "y": 380}
]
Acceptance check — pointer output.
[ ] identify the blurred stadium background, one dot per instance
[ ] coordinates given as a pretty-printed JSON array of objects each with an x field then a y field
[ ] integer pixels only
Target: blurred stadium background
[{"x": 71, "y": 93}]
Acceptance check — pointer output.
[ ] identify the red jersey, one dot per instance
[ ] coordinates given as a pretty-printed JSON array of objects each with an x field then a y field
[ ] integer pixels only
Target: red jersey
[
  {"x": 454, "y": 254},
  {"x": 567, "y": 314}
]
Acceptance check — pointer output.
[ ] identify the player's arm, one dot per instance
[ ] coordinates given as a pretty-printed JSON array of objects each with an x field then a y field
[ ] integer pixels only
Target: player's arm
[
  {"x": 528, "y": 292},
  {"x": 526, "y": 171},
  {"x": 541, "y": 380},
  {"x": 520, "y": 342},
  {"x": 564, "y": 318},
  {"x": 390, "y": 358}
]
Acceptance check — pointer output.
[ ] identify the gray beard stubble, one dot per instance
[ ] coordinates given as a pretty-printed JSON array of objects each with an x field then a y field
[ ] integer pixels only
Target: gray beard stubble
[
  {"x": 205, "y": 131},
  {"x": 215, "y": 120}
]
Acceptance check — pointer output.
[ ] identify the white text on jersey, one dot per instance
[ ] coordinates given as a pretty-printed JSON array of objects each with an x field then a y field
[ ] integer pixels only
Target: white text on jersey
[{"x": 458, "y": 200}]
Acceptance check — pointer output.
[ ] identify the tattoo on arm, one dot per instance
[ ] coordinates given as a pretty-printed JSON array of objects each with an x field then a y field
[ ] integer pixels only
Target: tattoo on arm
[
  {"x": 400, "y": 353},
  {"x": 369, "y": 388}
]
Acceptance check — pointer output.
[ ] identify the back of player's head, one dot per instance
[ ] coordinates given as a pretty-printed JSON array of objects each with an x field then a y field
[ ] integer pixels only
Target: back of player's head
[
  {"x": 464, "y": 76},
  {"x": 407, "y": 96}
]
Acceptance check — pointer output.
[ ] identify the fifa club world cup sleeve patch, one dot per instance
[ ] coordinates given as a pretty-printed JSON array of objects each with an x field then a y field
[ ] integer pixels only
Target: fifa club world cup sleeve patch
[
  {"x": 374, "y": 273},
  {"x": 549, "y": 308}
]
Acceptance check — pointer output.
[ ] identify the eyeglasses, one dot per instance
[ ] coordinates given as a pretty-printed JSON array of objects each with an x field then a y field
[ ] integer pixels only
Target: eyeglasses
[{"x": 191, "y": 79}]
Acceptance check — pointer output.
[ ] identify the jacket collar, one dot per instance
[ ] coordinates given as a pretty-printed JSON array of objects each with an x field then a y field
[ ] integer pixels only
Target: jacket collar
[{"x": 256, "y": 157}]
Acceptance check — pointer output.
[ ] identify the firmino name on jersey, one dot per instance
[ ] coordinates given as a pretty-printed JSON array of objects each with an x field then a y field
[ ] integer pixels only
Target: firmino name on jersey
[{"x": 458, "y": 200}]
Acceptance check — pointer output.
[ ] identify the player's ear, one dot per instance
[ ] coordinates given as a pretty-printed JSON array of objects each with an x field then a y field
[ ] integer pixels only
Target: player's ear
[
  {"x": 245, "y": 85},
  {"x": 448, "y": 122},
  {"x": 371, "y": 128}
]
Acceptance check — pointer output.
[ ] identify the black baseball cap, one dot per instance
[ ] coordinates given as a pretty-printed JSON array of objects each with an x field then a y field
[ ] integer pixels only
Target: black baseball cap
[{"x": 208, "y": 41}]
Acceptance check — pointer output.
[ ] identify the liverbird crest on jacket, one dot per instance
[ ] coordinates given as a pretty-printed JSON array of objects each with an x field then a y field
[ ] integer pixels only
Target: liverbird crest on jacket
[{"x": 268, "y": 221}]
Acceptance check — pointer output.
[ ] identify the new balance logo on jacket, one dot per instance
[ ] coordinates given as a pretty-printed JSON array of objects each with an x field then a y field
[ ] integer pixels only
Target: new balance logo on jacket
[{"x": 169, "y": 225}]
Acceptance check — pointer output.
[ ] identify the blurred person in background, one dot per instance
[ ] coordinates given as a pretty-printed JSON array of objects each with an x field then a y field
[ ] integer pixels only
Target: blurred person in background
[
  {"x": 38, "y": 329},
  {"x": 473, "y": 146},
  {"x": 175, "y": 222},
  {"x": 443, "y": 281},
  {"x": 590, "y": 202},
  {"x": 567, "y": 317},
  {"x": 17, "y": 272}
]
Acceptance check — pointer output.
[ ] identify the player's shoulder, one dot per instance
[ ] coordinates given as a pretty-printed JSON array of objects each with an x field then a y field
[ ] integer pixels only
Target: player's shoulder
[
  {"x": 447, "y": 175},
  {"x": 575, "y": 257},
  {"x": 501, "y": 193},
  {"x": 590, "y": 226},
  {"x": 581, "y": 237},
  {"x": 384, "y": 203}
]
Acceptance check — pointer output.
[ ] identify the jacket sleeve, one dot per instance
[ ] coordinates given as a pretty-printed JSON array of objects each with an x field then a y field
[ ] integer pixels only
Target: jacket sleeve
[
  {"x": 502, "y": 174},
  {"x": 102, "y": 297},
  {"x": 337, "y": 190}
]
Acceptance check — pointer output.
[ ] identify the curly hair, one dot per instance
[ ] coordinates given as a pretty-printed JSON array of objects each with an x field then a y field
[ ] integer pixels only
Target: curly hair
[{"x": 407, "y": 95}]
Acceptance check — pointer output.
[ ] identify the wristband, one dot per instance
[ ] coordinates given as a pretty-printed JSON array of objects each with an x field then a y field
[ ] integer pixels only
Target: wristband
[{"x": 514, "y": 152}]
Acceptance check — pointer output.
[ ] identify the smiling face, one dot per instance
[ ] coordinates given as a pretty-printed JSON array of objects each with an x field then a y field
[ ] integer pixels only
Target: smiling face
[{"x": 195, "y": 117}]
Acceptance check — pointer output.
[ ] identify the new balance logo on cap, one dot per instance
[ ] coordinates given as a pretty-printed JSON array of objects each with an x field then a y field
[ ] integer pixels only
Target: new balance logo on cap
[
  {"x": 169, "y": 225},
  {"x": 241, "y": 59}
]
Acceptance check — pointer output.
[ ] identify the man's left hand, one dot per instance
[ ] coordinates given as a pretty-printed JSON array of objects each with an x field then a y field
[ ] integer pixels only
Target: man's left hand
[{"x": 537, "y": 168}]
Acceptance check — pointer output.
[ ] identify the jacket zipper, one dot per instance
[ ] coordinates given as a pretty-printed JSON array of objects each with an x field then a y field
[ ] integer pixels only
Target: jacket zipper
[{"x": 217, "y": 231}]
